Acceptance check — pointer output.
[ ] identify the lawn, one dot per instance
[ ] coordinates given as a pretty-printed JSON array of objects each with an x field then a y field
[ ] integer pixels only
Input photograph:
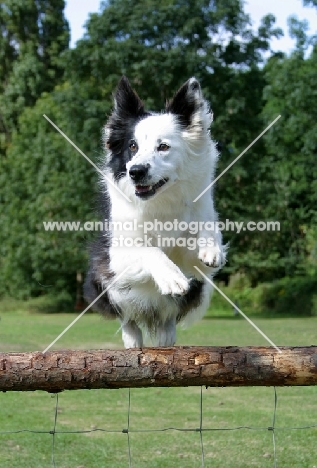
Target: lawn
[{"x": 225, "y": 410}]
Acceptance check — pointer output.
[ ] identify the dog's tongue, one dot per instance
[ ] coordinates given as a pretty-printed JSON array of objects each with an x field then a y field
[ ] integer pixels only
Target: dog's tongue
[{"x": 142, "y": 188}]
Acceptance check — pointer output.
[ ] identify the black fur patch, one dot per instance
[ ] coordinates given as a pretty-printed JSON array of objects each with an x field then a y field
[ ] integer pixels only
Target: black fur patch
[
  {"x": 128, "y": 112},
  {"x": 120, "y": 152},
  {"x": 191, "y": 299},
  {"x": 184, "y": 103},
  {"x": 99, "y": 268}
]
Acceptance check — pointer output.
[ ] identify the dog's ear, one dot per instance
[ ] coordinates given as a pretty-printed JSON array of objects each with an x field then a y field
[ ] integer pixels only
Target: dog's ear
[
  {"x": 127, "y": 102},
  {"x": 186, "y": 102},
  {"x": 128, "y": 107}
]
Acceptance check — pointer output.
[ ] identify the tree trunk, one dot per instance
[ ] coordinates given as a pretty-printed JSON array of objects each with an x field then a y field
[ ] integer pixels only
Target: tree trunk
[{"x": 158, "y": 367}]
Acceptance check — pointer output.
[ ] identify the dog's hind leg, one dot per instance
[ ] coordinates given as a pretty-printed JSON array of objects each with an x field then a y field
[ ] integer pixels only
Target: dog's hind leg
[
  {"x": 131, "y": 335},
  {"x": 166, "y": 333}
]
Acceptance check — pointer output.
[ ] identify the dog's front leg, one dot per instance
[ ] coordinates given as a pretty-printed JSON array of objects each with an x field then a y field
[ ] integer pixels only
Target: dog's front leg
[
  {"x": 131, "y": 335},
  {"x": 149, "y": 263},
  {"x": 166, "y": 333}
]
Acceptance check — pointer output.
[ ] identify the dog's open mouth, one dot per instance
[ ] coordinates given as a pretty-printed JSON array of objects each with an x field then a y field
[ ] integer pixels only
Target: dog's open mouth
[{"x": 146, "y": 191}]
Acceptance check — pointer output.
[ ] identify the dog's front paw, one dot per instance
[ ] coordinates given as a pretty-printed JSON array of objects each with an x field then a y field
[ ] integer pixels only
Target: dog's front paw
[
  {"x": 171, "y": 281},
  {"x": 212, "y": 256}
]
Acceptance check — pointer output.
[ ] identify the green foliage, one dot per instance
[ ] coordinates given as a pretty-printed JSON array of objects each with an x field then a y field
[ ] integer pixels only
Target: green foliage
[
  {"x": 290, "y": 296},
  {"x": 311, "y": 243},
  {"x": 285, "y": 297},
  {"x": 34, "y": 35},
  {"x": 159, "y": 44},
  {"x": 290, "y": 184},
  {"x": 51, "y": 303},
  {"x": 298, "y": 31},
  {"x": 49, "y": 180}
]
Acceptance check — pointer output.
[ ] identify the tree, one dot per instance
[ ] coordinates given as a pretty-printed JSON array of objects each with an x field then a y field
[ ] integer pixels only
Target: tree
[
  {"x": 49, "y": 181},
  {"x": 34, "y": 34},
  {"x": 290, "y": 165}
]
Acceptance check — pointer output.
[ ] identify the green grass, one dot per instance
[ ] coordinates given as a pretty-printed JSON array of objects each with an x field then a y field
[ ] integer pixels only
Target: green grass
[{"x": 156, "y": 408}]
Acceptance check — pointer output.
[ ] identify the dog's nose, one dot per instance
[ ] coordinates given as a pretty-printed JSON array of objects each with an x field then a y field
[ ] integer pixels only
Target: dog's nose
[{"x": 138, "y": 172}]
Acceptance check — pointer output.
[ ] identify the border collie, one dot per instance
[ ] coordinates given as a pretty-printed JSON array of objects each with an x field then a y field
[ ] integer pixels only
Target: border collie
[{"x": 155, "y": 165}]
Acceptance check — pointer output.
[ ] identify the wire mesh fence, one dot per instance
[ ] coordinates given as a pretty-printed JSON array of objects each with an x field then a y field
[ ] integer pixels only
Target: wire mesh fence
[{"x": 138, "y": 431}]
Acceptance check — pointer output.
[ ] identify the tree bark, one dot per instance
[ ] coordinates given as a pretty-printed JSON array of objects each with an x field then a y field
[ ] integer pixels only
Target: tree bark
[{"x": 158, "y": 367}]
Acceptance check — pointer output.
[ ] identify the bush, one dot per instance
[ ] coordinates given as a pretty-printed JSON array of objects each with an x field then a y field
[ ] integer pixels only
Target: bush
[
  {"x": 51, "y": 304},
  {"x": 290, "y": 296},
  {"x": 284, "y": 297}
]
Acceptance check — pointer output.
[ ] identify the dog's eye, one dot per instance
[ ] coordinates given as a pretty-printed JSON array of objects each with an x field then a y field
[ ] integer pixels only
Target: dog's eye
[
  {"x": 133, "y": 146},
  {"x": 163, "y": 147}
]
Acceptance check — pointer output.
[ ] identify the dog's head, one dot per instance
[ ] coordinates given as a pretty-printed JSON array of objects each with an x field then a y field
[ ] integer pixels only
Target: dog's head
[{"x": 150, "y": 152}]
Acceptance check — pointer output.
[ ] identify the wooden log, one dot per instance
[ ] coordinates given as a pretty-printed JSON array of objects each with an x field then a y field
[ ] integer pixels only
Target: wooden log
[{"x": 158, "y": 367}]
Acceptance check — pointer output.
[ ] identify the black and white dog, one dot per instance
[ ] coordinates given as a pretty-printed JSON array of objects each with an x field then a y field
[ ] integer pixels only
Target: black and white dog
[{"x": 155, "y": 166}]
